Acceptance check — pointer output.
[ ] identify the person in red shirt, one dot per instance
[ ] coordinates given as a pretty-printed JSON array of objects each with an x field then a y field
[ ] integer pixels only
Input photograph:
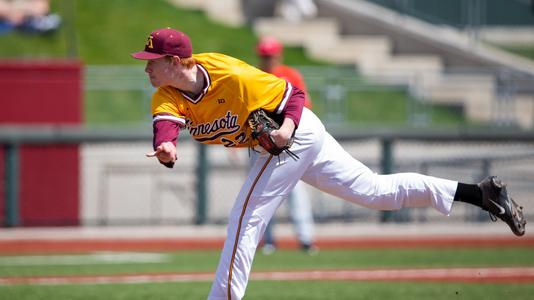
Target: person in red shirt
[{"x": 270, "y": 53}]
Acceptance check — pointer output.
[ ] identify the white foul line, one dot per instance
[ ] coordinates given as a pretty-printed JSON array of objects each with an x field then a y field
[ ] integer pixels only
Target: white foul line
[{"x": 436, "y": 274}]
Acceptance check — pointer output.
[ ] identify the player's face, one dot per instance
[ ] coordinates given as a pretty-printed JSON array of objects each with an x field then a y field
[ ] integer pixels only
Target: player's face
[
  {"x": 159, "y": 71},
  {"x": 268, "y": 63}
]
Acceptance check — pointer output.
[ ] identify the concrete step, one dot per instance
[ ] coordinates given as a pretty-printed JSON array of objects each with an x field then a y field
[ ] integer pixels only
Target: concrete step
[
  {"x": 297, "y": 34},
  {"x": 410, "y": 66},
  {"x": 524, "y": 111},
  {"x": 474, "y": 92},
  {"x": 452, "y": 87},
  {"x": 227, "y": 12},
  {"x": 349, "y": 50}
]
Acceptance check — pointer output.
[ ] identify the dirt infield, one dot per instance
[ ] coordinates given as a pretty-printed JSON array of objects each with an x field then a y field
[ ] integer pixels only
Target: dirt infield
[
  {"x": 474, "y": 275},
  {"x": 87, "y": 245}
]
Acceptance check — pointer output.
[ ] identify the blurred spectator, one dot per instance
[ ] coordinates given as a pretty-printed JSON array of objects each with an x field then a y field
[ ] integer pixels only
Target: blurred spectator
[
  {"x": 291, "y": 10},
  {"x": 31, "y": 16},
  {"x": 270, "y": 52},
  {"x": 297, "y": 10}
]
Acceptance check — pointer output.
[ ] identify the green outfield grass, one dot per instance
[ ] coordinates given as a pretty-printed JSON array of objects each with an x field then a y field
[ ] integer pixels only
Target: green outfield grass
[
  {"x": 294, "y": 290},
  {"x": 205, "y": 261}
]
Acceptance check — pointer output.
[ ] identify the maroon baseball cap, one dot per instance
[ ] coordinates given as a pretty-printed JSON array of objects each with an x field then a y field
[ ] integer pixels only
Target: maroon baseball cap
[
  {"x": 163, "y": 42},
  {"x": 269, "y": 46}
]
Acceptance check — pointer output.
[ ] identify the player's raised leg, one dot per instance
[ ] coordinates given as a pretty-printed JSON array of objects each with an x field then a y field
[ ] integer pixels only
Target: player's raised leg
[{"x": 339, "y": 174}]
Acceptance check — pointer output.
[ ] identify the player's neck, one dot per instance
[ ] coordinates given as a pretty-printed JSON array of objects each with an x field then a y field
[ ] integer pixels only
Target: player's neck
[
  {"x": 200, "y": 81},
  {"x": 194, "y": 82}
]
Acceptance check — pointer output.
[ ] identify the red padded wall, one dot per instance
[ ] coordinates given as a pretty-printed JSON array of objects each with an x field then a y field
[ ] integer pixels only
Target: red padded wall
[
  {"x": 43, "y": 93},
  {"x": 2, "y": 185}
]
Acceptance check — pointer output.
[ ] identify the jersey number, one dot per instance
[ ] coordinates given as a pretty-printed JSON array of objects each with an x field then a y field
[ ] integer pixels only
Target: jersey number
[{"x": 240, "y": 139}]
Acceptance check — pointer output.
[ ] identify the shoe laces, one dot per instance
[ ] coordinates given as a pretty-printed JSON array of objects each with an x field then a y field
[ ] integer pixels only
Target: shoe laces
[{"x": 492, "y": 216}]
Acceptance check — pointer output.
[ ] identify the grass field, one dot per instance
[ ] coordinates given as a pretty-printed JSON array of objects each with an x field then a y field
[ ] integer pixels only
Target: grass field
[
  {"x": 526, "y": 51},
  {"x": 283, "y": 260},
  {"x": 295, "y": 290}
]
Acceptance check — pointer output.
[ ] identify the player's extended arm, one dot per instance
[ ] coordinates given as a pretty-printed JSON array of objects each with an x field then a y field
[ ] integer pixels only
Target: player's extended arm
[{"x": 164, "y": 142}]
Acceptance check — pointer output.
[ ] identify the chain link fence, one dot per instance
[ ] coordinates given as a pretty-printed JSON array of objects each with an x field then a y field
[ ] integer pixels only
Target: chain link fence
[{"x": 121, "y": 186}]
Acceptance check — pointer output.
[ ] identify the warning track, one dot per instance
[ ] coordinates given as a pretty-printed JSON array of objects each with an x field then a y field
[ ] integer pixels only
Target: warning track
[
  {"x": 35, "y": 245},
  {"x": 473, "y": 275}
]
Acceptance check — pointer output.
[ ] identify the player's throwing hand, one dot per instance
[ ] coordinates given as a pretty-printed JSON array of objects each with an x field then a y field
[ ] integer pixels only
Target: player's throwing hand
[{"x": 165, "y": 152}]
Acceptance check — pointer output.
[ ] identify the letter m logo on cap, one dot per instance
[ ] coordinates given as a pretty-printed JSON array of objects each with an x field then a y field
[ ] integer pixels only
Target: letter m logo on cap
[{"x": 149, "y": 42}]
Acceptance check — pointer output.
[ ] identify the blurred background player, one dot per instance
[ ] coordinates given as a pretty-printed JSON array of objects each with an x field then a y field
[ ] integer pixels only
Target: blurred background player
[{"x": 270, "y": 53}]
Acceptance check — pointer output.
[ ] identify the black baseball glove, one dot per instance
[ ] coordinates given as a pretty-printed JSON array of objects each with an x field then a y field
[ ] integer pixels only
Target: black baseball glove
[{"x": 262, "y": 125}]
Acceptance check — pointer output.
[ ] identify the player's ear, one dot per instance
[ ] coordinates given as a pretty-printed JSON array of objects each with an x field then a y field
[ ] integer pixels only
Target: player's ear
[{"x": 175, "y": 60}]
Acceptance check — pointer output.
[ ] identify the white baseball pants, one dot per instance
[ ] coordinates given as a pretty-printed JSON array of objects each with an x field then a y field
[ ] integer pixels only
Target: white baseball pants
[{"x": 324, "y": 164}]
